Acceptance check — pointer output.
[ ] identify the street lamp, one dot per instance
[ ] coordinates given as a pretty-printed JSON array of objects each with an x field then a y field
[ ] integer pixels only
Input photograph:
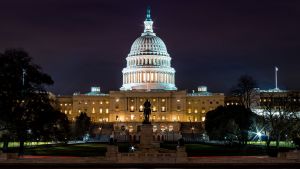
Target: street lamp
[{"x": 193, "y": 128}]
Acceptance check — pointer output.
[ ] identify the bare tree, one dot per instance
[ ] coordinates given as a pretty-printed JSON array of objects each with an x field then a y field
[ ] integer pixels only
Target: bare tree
[
  {"x": 245, "y": 90},
  {"x": 280, "y": 111}
]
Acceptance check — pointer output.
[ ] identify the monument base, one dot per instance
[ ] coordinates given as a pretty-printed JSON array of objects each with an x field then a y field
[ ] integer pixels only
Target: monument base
[{"x": 146, "y": 137}]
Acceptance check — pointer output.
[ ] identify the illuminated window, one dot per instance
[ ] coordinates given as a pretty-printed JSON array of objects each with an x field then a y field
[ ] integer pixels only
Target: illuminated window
[
  {"x": 107, "y": 102},
  {"x": 132, "y": 117},
  {"x": 196, "y": 119},
  {"x": 132, "y": 100},
  {"x": 203, "y": 118},
  {"x": 203, "y": 111},
  {"x": 189, "y": 110},
  {"x": 170, "y": 128},
  {"x": 100, "y": 110},
  {"x": 66, "y": 104},
  {"x": 117, "y": 100},
  {"x": 141, "y": 108},
  {"x": 79, "y": 111},
  {"x": 163, "y": 100},
  {"x": 178, "y": 100},
  {"x": 227, "y": 104},
  {"x": 61, "y": 104},
  {"x": 154, "y": 100},
  {"x": 196, "y": 111},
  {"x": 174, "y": 118},
  {"x": 154, "y": 128},
  {"x": 106, "y": 111},
  {"x": 93, "y": 102},
  {"x": 163, "y": 118},
  {"x": 93, "y": 110},
  {"x": 163, "y": 108},
  {"x": 66, "y": 112},
  {"x": 132, "y": 108},
  {"x": 154, "y": 109},
  {"x": 85, "y": 102},
  {"x": 189, "y": 102},
  {"x": 153, "y": 117},
  {"x": 70, "y": 111},
  {"x": 130, "y": 129},
  {"x": 101, "y": 102}
]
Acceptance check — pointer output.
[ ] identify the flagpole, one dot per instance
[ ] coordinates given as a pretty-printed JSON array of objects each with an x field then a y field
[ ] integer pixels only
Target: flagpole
[{"x": 276, "y": 69}]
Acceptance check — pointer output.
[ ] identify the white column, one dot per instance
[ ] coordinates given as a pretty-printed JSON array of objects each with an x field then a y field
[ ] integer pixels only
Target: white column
[
  {"x": 140, "y": 77},
  {"x": 167, "y": 77}
]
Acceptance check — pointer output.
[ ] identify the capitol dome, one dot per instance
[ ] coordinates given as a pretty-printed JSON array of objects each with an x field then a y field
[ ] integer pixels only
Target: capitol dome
[
  {"x": 148, "y": 45},
  {"x": 148, "y": 63}
]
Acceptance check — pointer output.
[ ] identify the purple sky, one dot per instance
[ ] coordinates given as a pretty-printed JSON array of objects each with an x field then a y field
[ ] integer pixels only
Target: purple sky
[{"x": 81, "y": 43}]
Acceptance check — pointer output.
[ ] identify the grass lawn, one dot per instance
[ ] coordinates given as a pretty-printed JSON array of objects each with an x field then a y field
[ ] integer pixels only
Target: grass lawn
[
  {"x": 27, "y": 144},
  {"x": 224, "y": 150},
  {"x": 79, "y": 150},
  {"x": 97, "y": 149},
  {"x": 287, "y": 144}
]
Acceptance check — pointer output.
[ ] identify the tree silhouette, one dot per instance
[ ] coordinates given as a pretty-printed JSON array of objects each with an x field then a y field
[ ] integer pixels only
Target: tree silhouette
[
  {"x": 229, "y": 123},
  {"x": 82, "y": 125},
  {"x": 26, "y": 108},
  {"x": 245, "y": 90}
]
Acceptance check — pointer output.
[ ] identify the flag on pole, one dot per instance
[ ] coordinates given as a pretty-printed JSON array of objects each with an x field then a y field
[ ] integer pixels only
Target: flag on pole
[{"x": 276, "y": 68}]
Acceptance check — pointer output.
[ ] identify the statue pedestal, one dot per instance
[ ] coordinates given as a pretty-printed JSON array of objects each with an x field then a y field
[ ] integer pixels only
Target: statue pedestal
[{"x": 146, "y": 136}]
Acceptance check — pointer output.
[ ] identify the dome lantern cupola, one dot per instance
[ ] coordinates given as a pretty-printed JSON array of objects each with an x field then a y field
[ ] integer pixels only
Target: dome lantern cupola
[{"x": 148, "y": 24}]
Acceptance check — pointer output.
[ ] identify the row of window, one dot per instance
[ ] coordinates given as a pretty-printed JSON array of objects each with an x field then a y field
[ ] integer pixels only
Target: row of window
[
  {"x": 196, "y": 111},
  {"x": 148, "y": 61},
  {"x": 132, "y": 100},
  {"x": 143, "y": 100},
  {"x": 154, "y": 109},
  {"x": 93, "y": 102},
  {"x": 196, "y": 119},
  {"x": 203, "y": 102}
]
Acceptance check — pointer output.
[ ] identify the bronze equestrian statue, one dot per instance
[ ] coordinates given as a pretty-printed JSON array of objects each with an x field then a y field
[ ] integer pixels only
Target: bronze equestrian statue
[{"x": 147, "y": 112}]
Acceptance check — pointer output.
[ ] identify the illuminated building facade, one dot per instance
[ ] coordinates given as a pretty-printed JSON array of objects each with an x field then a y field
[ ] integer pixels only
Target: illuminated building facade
[{"x": 148, "y": 76}]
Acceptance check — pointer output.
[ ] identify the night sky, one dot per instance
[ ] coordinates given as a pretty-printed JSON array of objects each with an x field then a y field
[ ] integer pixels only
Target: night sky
[{"x": 83, "y": 43}]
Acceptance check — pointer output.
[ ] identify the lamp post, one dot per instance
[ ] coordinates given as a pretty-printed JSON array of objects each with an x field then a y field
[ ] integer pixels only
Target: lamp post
[{"x": 193, "y": 128}]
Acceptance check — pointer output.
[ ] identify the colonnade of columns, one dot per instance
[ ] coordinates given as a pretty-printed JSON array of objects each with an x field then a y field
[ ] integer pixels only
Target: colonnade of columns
[
  {"x": 148, "y": 77},
  {"x": 148, "y": 61}
]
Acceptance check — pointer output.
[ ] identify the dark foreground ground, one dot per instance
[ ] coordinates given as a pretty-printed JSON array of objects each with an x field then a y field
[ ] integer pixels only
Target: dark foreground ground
[{"x": 152, "y": 165}]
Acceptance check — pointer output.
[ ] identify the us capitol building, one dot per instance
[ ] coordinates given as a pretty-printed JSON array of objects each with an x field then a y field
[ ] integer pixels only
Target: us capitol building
[{"x": 147, "y": 75}]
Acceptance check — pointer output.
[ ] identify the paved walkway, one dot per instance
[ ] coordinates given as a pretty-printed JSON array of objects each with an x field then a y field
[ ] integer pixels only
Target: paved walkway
[{"x": 210, "y": 159}]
